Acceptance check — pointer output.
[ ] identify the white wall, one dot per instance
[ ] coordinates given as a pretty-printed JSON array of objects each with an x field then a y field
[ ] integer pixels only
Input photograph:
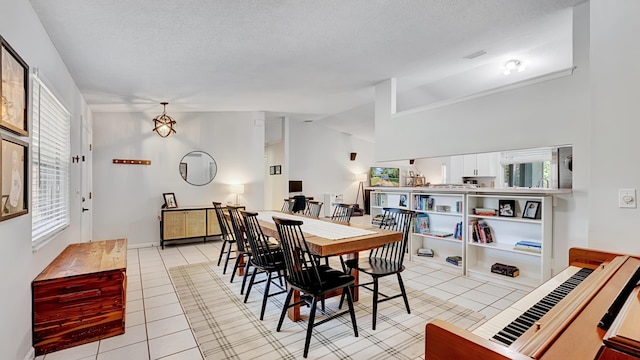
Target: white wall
[
  {"x": 127, "y": 198},
  {"x": 615, "y": 74},
  {"x": 319, "y": 156},
  {"x": 276, "y": 185},
  {"x": 22, "y": 29},
  {"x": 545, "y": 113}
]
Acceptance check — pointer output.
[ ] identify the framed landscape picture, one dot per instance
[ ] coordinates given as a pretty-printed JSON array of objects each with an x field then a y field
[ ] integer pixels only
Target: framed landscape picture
[
  {"x": 14, "y": 76},
  {"x": 14, "y": 155}
]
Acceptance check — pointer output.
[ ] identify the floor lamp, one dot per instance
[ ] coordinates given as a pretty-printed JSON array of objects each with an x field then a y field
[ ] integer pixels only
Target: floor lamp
[{"x": 361, "y": 178}]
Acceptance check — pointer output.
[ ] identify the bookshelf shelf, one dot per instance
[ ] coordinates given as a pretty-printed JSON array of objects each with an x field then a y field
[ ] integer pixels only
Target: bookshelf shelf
[{"x": 505, "y": 247}]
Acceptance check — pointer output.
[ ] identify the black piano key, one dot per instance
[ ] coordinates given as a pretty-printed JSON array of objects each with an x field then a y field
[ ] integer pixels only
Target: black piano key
[{"x": 522, "y": 323}]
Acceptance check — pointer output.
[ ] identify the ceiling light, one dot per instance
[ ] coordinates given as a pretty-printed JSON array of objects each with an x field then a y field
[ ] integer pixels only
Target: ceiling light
[
  {"x": 163, "y": 124},
  {"x": 513, "y": 65}
]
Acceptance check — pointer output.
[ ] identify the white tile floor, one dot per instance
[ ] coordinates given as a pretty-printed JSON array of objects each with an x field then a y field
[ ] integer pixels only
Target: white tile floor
[{"x": 156, "y": 327}]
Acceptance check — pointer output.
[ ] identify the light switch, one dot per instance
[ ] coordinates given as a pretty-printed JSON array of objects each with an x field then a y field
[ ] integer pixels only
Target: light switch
[{"x": 627, "y": 198}]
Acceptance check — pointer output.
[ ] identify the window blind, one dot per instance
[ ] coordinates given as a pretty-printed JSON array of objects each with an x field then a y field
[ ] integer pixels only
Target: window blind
[
  {"x": 50, "y": 142},
  {"x": 526, "y": 156}
]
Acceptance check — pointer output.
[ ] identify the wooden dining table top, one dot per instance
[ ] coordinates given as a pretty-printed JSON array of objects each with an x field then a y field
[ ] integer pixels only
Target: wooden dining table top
[{"x": 325, "y": 247}]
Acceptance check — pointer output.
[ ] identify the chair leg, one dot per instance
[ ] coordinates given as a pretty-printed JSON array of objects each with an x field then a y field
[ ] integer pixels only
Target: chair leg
[
  {"x": 404, "y": 293},
  {"x": 226, "y": 261},
  {"x": 224, "y": 245},
  {"x": 265, "y": 295},
  {"x": 235, "y": 267},
  {"x": 246, "y": 274},
  {"x": 351, "y": 310},
  {"x": 375, "y": 301},
  {"x": 253, "y": 277},
  {"x": 285, "y": 307},
  {"x": 312, "y": 315}
]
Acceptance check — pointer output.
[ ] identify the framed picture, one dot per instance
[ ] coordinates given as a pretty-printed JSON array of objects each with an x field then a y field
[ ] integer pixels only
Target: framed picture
[
  {"x": 278, "y": 169},
  {"x": 170, "y": 200},
  {"x": 419, "y": 181},
  {"x": 411, "y": 173},
  {"x": 272, "y": 170},
  {"x": 409, "y": 181},
  {"x": 183, "y": 170},
  {"x": 507, "y": 208},
  {"x": 531, "y": 210},
  {"x": 14, "y": 76},
  {"x": 14, "y": 156}
]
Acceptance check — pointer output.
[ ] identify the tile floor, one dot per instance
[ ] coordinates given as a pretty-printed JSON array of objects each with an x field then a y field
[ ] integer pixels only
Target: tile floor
[{"x": 156, "y": 327}]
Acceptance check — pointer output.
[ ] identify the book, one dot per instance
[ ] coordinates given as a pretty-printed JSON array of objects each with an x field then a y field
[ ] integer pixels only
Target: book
[
  {"x": 528, "y": 248},
  {"x": 438, "y": 233},
  {"x": 425, "y": 252},
  {"x": 455, "y": 260},
  {"x": 529, "y": 243}
]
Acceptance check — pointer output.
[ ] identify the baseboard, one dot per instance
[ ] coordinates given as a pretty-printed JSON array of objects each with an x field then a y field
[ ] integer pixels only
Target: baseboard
[{"x": 144, "y": 245}]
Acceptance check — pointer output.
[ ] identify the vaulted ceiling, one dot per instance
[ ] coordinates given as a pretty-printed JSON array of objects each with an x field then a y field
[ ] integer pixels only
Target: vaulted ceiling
[{"x": 307, "y": 59}]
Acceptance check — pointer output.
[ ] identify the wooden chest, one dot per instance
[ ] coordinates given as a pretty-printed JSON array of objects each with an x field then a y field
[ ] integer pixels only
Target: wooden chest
[{"x": 80, "y": 296}]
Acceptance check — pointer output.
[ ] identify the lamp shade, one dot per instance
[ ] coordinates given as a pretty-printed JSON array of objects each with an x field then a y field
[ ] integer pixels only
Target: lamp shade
[{"x": 360, "y": 177}]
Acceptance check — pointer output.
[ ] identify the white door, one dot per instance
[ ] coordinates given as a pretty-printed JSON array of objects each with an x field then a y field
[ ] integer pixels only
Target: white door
[{"x": 86, "y": 220}]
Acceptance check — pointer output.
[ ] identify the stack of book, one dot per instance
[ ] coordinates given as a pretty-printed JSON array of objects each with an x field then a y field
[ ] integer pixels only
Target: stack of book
[
  {"x": 480, "y": 232},
  {"x": 425, "y": 252},
  {"x": 381, "y": 220},
  {"x": 528, "y": 245},
  {"x": 455, "y": 260}
]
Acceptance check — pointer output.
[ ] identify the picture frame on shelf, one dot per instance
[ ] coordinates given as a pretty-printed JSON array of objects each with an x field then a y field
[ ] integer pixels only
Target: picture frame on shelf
[
  {"x": 14, "y": 156},
  {"x": 14, "y": 77},
  {"x": 507, "y": 208},
  {"x": 418, "y": 181},
  {"x": 170, "y": 200},
  {"x": 409, "y": 181},
  {"x": 411, "y": 173},
  {"x": 402, "y": 202},
  {"x": 531, "y": 210}
]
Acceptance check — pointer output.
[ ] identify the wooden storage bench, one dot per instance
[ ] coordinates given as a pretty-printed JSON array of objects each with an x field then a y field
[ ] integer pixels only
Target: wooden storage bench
[{"x": 80, "y": 296}]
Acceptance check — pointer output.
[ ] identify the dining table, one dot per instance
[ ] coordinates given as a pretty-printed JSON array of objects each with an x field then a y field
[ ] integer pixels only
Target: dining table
[{"x": 327, "y": 238}]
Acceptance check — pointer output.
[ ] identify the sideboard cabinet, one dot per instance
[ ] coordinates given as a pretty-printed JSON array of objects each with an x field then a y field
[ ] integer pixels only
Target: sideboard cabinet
[{"x": 188, "y": 223}]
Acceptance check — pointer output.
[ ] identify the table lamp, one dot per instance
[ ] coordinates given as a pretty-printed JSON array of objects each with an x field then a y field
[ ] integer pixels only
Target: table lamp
[{"x": 237, "y": 190}]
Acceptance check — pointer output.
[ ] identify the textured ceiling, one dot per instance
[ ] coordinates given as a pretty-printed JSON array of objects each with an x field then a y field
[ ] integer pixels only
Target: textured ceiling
[{"x": 306, "y": 58}]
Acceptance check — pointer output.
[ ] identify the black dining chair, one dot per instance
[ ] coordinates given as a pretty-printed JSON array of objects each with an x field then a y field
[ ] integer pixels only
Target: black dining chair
[
  {"x": 287, "y": 206},
  {"x": 313, "y": 208},
  {"x": 342, "y": 213},
  {"x": 265, "y": 258},
  {"x": 228, "y": 238},
  {"x": 313, "y": 280},
  {"x": 385, "y": 260},
  {"x": 244, "y": 251}
]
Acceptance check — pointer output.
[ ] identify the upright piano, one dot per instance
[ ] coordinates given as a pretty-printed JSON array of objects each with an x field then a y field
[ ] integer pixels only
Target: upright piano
[{"x": 591, "y": 310}]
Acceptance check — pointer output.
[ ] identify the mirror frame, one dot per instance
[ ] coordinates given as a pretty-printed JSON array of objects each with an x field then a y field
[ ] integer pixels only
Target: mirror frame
[{"x": 180, "y": 167}]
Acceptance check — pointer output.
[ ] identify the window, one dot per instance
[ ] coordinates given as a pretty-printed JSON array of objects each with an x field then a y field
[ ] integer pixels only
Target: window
[
  {"x": 528, "y": 168},
  {"x": 50, "y": 187}
]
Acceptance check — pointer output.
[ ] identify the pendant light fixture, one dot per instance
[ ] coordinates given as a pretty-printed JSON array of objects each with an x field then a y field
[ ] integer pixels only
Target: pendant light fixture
[{"x": 163, "y": 124}]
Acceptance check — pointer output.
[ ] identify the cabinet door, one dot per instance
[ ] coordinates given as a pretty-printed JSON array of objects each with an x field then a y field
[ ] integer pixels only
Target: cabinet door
[
  {"x": 213, "y": 226},
  {"x": 196, "y": 223},
  {"x": 470, "y": 167},
  {"x": 173, "y": 225},
  {"x": 487, "y": 164},
  {"x": 456, "y": 164}
]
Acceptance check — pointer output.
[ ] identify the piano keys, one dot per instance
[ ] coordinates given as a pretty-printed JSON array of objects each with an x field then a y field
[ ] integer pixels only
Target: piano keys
[{"x": 550, "y": 321}]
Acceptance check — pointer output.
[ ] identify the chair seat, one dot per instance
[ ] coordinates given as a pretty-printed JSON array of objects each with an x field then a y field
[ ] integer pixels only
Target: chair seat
[
  {"x": 375, "y": 266},
  {"x": 331, "y": 280}
]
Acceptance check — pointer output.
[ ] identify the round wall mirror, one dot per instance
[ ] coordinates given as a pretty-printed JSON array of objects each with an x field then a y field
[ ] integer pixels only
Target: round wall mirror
[{"x": 198, "y": 168}]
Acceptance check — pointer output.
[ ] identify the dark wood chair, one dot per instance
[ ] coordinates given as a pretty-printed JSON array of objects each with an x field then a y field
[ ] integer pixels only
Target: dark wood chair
[
  {"x": 265, "y": 258},
  {"x": 311, "y": 279},
  {"x": 342, "y": 213},
  {"x": 244, "y": 251},
  {"x": 228, "y": 239},
  {"x": 287, "y": 206},
  {"x": 313, "y": 208},
  {"x": 385, "y": 260}
]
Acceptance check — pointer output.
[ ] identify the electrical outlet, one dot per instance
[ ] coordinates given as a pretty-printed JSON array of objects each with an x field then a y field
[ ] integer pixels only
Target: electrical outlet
[{"x": 627, "y": 198}]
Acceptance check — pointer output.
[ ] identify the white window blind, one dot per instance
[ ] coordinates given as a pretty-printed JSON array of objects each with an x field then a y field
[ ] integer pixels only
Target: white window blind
[
  {"x": 526, "y": 156},
  {"x": 50, "y": 188}
]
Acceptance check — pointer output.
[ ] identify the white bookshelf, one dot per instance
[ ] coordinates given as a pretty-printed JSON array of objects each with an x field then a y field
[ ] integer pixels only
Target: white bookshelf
[
  {"x": 444, "y": 211},
  {"x": 534, "y": 268},
  {"x": 387, "y": 198}
]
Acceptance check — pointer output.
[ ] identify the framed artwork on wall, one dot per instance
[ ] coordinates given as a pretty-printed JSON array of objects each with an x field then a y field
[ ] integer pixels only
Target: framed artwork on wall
[
  {"x": 14, "y": 155},
  {"x": 14, "y": 76}
]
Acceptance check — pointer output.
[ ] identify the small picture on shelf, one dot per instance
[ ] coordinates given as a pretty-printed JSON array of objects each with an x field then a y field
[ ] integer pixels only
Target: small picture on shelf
[
  {"x": 409, "y": 181},
  {"x": 411, "y": 173},
  {"x": 507, "y": 208},
  {"x": 403, "y": 201},
  {"x": 531, "y": 210}
]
